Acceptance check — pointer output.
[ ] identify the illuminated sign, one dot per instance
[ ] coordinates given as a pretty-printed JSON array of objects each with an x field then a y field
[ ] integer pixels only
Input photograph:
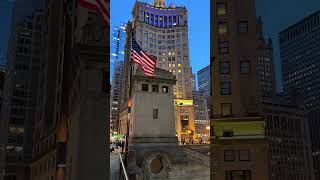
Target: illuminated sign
[{"x": 183, "y": 102}]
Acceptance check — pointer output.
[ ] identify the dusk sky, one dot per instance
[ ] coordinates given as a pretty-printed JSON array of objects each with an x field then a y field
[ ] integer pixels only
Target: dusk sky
[{"x": 5, "y": 19}]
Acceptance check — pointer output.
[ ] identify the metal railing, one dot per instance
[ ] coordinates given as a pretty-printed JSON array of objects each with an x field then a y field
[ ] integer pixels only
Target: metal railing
[{"x": 123, "y": 172}]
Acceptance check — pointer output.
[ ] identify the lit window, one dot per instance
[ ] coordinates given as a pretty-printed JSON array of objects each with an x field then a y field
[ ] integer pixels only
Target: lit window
[
  {"x": 179, "y": 65},
  {"x": 222, "y": 28},
  {"x": 221, "y": 9},
  {"x": 179, "y": 70},
  {"x": 165, "y": 89},
  {"x": 226, "y": 109}
]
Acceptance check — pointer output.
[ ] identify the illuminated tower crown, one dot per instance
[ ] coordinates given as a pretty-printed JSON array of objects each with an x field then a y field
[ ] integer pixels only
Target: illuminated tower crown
[{"x": 160, "y": 3}]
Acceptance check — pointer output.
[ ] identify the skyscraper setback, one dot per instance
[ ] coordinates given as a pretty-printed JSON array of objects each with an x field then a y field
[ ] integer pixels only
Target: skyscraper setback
[
  {"x": 300, "y": 54},
  {"x": 162, "y": 31}
]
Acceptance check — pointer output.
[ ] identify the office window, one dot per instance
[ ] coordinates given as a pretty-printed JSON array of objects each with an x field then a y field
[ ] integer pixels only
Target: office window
[
  {"x": 155, "y": 88},
  {"x": 244, "y": 155},
  {"x": 165, "y": 89},
  {"x": 224, "y": 68},
  {"x": 235, "y": 175},
  {"x": 222, "y": 28},
  {"x": 225, "y": 88},
  {"x": 228, "y": 155},
  {"x": 244, "y": 67},
  {"x": 223, "y": 47},
  {"x": 145, "y": 87},
  {"x": 221, "y": 9},
  {"x": 155, "y": 113},
  {"x": 187, "y": 83},
  {"x": 243, "y": 26},
  {"x": 226, "y": 109}
]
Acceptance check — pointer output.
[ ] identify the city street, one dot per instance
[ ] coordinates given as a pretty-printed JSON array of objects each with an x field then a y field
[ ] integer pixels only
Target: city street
[{"x": 114, "y": 165}]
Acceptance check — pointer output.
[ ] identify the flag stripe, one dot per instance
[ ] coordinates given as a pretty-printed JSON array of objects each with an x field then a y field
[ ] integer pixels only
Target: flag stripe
[
  {"x": 137, "y": 59},
  {"x": 98, "y": 6},
  {"x": 142, "y": 58}
]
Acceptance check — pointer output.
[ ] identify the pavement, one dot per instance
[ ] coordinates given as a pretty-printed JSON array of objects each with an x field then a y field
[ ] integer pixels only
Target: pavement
[
  {"x": 202, "y": 148},
  {"x": 114, "y": 165}
]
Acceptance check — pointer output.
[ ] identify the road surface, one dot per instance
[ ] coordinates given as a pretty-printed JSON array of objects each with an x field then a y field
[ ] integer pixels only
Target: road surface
[{"x": 114, "y": 165}]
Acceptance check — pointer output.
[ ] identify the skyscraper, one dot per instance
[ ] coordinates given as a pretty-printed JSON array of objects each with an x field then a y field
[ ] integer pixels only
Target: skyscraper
[
  {"x": 194, "y": 82},
  {"x": 203, "y": 80},
  {"x": 18, "y": 110},
  {"x": 288, "y": 132},
  {"x": 238, "y": 143},
  {"x": 162, "y": 31},
  {"x": 117, "y": 49},
  {"x": 300, "y": 54},
  {"x": 201, "y": 118},
  {"x": 266, "y": 64}
]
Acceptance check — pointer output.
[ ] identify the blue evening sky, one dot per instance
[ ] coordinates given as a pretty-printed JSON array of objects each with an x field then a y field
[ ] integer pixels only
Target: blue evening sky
[
  {"x": 5, "y": 21},
  {"x": 199, "y": 26}
]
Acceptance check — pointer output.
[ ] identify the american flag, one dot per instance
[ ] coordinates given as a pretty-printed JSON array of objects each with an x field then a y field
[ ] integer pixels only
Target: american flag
[
  {"x": 140, "y": 57},
  {"x": 100, "y": 6}
]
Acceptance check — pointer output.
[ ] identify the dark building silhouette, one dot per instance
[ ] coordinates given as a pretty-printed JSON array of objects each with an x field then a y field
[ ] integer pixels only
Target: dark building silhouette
[
  {"x": 18, "y": 110},
  {"x": 74, "y": 94},
  {"x": 266, "y": 63},
  {"x": 300, "y": 61},
  {"x": 288, "y": 132}
]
